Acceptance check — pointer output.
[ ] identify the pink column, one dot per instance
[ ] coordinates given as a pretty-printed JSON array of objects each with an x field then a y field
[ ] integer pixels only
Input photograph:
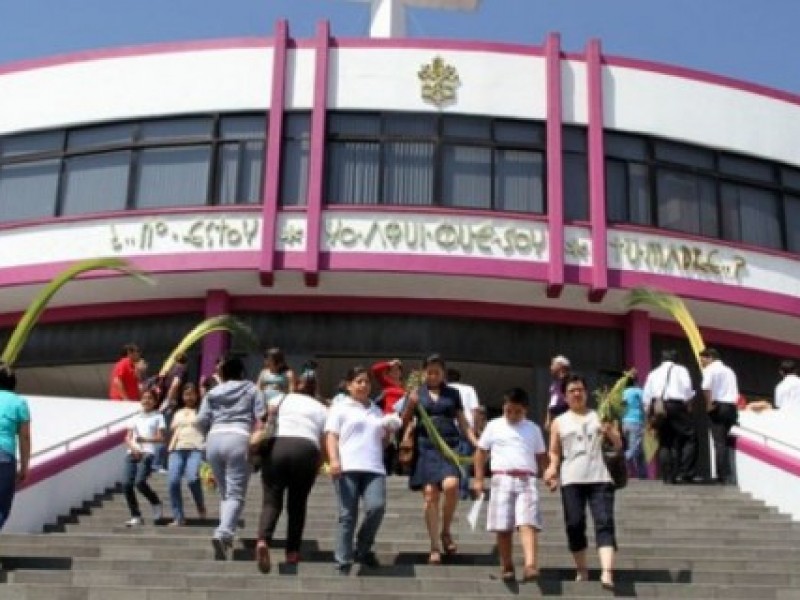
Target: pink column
[
  {"x": 317, "y": 155},
  {"x": 218, "y": 302},
  {"x": 597, "y": 174},
  {"x": 555, "y": 168},
  {"x": 272, "y": 164},
  {"x": 637, "y": 342}
]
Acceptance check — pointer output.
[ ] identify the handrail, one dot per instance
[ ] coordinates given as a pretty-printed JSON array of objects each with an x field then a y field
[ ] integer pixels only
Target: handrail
[
  {"x": 83, "y": 435},
  {"x": 766, "y": 438}
]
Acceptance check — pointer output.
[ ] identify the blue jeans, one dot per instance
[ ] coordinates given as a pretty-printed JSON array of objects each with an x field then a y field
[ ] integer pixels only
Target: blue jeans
[
  {"x": 138, "y": 473},
  {"x": 8, "y": 485},
  {"x": 634, "y": 449},
  {"x": 351, "y": 486},
  {"x": 185, "y": 463},
  {"x": 465, "y": 449}
]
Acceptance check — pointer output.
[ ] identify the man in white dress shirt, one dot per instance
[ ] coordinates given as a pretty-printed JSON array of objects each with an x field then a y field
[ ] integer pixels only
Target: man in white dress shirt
[
  {"x": 677, "y": 436},
  {"x": 787, "y": 392},
  {"x": 470, "y": 402},
  {"x": 721, "y": 391}
]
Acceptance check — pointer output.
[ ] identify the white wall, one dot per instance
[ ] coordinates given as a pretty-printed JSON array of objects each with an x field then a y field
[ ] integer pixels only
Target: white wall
[
  {"x": 136, "y": 86},
  {"x": 56, "y": 420},
  {"x": 44, "y": 502}
]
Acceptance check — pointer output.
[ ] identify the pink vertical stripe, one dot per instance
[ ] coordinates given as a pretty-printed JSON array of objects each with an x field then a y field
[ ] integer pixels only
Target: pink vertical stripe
[
  {"x": 555, "y": 167},
  {"x": 218, "y": 302},
  {"x": 637, "y": 342},
  {"x": 317, "y": 157},
  {"x": 597, "y": 175},
  {"x": 272, "y": 164}
]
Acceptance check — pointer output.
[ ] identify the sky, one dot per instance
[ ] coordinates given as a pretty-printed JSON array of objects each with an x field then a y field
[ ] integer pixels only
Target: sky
[{"x": 753, "y": 40}]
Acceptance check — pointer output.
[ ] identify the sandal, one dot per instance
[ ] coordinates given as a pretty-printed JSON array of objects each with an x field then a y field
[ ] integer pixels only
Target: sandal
[
  {"x": 508, "y": 575},
  {"x": 530, "y": 574},
  {"x": 607, "y": 582},
  {"x": 448, "y": 544},
  {"x": 262, "y": 557},
  {"x": 582, "y": 576},
  {"x": 435, "y": 557}
]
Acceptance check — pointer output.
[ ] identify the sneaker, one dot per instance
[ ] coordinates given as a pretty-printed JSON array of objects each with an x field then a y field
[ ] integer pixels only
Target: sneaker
[
  {"x": 342, "y": 569},
  {"x": 158, "y": 512},
  {"x": 368, "y": 559},
  {"x": 134, "y": 522},
  {"x": 221, "y": 548}
]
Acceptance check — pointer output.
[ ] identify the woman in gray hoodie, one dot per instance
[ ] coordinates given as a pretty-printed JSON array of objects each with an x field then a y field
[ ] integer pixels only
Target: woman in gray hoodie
[{"x": 230, "y": 412}]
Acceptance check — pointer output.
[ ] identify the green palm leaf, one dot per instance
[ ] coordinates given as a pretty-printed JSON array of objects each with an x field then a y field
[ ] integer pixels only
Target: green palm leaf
[
  {"x": 612, "y": 406},
  {"x": 675, "y": 307},
  {"x": 210, "y": 325},
  {"x": 23, "y": 329}
]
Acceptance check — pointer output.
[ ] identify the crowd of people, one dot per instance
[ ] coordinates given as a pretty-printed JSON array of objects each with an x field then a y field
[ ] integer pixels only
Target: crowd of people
[{"x": 280, "y": 425}]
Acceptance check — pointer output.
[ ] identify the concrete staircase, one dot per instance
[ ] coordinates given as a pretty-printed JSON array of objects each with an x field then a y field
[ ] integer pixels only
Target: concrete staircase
[{"x": 675, "y": 542}]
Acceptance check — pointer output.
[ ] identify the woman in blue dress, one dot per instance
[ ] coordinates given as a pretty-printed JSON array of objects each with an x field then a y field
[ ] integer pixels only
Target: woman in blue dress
[{"x": 432, "y": 472}]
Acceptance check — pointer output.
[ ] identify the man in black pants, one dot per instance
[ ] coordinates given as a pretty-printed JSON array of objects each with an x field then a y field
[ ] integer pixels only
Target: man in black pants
[
  {"x": 677, "y": 437},
  {"x": 721, "y": 391}
]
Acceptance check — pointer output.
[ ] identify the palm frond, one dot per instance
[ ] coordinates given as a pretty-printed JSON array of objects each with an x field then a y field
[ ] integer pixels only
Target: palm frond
[
  {"x": 675, "y": 307},
  {"x": 210, "y": 325},
  {"x": 37, "y": 306},
  {"x": 611, "y": 406}
]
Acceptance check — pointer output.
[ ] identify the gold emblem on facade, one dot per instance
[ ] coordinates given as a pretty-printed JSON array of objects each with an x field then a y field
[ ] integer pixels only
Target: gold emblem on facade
[{"x": 439, "y": 82}]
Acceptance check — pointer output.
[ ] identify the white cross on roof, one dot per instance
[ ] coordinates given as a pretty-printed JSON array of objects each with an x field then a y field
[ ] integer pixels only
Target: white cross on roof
[{"x": 389, "y": 19}]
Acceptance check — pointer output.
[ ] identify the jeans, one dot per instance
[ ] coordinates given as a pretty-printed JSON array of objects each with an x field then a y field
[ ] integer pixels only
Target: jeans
[
  {"x": 600, "y": 498},
  {"x": 351, "y": 486},
  {"x": 8, "y": 485},
  {"x": 138, "y": 473},
  {"x": 185, "y": 463},
  {"x": 227, "y": 455},
  {"x": 634, "y": 449}
]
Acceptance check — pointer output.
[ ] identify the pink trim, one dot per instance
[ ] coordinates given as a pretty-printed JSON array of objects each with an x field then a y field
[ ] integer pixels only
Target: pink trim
[
  {"x": 424, "y": 306},
  {"x": 701, "y": 76},
  {"x": 768, "y": 455},
  {"x": 73, "y": 458},
  {"x": 272, "y": 166},
  {"x": 218, "y": 302},
  {"x": 113, "y": 310},
  {"x": 131, "y": 51},
  {"x": 638, "y": 342},
  {"x": 597, "y": 173},
  {"x": 555, "y": 167},
  {"x": 126, "y": 215},
  {"x": 316, "y": 167},
  {"x": 733, "y": 339},
  {"x": 434, "y": 44},
  {"x": 157, "y": 263},
  {"x": 700, "y": 290}
]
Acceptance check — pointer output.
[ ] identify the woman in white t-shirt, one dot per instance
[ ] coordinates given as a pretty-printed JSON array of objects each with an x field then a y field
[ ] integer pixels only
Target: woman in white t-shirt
[
  {"x": 576, "y": 455},
  {"x": 356, "y": 432},
  {"x": 145, "y": 433},
  {"x": 290, "y": 462}
]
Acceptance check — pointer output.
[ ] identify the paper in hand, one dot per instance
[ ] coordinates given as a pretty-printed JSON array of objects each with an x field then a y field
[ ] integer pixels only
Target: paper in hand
[{"x": 475, "y": 511}]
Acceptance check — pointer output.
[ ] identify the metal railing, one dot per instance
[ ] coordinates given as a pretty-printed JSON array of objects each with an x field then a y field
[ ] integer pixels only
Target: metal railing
[
  {"x": 766, "y": 439},
  {"x": 67, "y": 444}
]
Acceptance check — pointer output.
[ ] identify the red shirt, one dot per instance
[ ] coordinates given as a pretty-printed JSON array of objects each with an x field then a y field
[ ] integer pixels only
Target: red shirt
[
  {"x": 392, "y": 390},
  {"x": 126, "y": 372}
]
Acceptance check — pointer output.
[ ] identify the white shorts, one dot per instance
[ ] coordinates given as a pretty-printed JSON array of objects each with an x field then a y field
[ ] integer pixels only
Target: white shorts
[{"x": 514, "y": 501}]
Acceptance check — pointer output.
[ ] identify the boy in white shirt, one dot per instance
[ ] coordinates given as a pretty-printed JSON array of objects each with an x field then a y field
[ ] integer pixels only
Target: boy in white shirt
[
  {"x": 518, "y": 457},
  {"x": 146, "y": 431}
]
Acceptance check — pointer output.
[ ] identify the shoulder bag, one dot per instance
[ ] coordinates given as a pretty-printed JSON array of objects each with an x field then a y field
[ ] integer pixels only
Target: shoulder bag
[{"x": 657, "y": 412}]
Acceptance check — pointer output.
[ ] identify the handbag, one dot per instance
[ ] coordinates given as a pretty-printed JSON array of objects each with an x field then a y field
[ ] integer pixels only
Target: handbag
[
  {"x": 405, "y": 450},
  {"x": 614, "y": 459},
  {"x": 259, "y": 440},
  {"x": 657, "y": 413}
]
